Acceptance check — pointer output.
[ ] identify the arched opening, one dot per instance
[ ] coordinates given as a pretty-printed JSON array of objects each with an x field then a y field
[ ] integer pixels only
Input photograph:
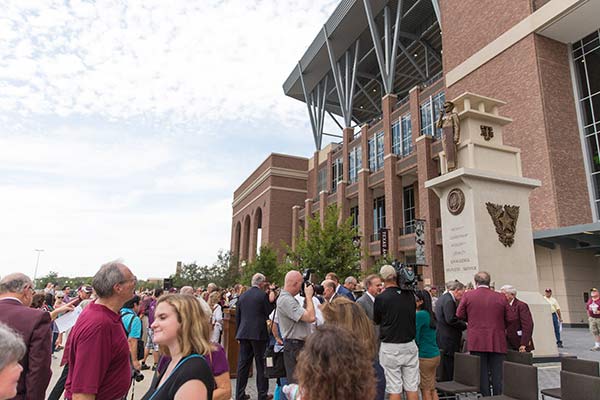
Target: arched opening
[
  {"x": 246, "y": 239},
  {"x": 237, "y": 241},
  {"x": 258, "y": 227}
]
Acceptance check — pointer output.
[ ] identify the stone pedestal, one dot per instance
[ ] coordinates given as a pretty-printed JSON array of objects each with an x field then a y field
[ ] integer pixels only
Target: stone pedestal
[{"x": 488, "y": 181}]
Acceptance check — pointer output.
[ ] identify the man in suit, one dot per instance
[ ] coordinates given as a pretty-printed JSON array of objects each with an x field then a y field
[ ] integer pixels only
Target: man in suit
[
  {"x": 339, "y": 289},
  {"x": 35, "y": 327},
  {"x": 366, "y": 301},
  {"x": 519, "y": 325},
  {"x": 329, "y": 290},
  {"x": 449, "y": 327},
  {"x": 253, "y": 309},
  {"x": 350, "y": 284},
  {"x": 486, "y": 312}
]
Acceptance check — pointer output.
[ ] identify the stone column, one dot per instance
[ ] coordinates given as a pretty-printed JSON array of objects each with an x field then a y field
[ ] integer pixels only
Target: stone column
[
  {"x": 308, "y": 203},
  {"x": 253, "y": 238},
  {"x": 295, "y": 225},
  {"x": 342, "y": 202},
  {"x": 322, "y": 206},
  {"x": 392, "y": 182}
]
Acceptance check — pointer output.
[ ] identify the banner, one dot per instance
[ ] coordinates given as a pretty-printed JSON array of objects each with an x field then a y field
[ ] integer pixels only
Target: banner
[
  {"x": 420, "y": 242},
  {"x": 383, "y": 241}
]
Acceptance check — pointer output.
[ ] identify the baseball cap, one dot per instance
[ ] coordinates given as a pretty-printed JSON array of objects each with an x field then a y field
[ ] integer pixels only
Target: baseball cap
[
  {"x": 593, "y": 289},
  {"x": 548, "y": 290},
  {"x": 85, "y": 288},
  {"x": 387, "y": 272}
]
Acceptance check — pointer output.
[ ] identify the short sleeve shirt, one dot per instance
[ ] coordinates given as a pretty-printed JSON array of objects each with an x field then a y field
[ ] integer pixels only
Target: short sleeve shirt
[
  {"x": 290, "y": 312},
  {"x": 553, "y": 303},
  {"x": 98, "y": 335},
  {"x": 591, "y": 308},
  {"x": 132, "y": 323},
  {"x": 217, "y": 360}
]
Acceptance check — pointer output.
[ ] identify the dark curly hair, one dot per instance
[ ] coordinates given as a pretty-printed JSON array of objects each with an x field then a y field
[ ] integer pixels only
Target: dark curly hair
[{"x": 323, "y": 367}]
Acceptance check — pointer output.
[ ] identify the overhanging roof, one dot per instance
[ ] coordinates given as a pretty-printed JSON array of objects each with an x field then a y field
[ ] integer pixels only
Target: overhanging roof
[
  {"x": 574, "y": 237},
  {"x": 419, "y": 34}
]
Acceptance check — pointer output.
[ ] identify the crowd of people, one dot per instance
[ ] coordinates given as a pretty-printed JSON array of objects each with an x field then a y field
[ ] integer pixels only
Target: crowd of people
[{"x": 328, "y": 345}]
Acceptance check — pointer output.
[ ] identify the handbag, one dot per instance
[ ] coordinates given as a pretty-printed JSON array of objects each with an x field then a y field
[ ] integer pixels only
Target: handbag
[
  {"x": 140, "y": 342},
  {"x": 274, "y": 364}
]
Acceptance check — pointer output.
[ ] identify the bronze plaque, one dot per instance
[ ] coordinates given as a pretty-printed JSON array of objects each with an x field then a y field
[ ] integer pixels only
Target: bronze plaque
[
  {"x": 456, "y": 201},
  {"x": 487, "y": 132},
  {"x": 505, "y": 221}
]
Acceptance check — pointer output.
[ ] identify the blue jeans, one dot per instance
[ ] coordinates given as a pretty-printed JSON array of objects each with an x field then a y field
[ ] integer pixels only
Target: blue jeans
[{"x": 556, "y": 328}]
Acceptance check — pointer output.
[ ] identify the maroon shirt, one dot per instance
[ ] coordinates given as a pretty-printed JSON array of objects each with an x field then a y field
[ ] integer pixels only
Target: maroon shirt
[
  {"x": 589, "y": 307},
  {"x": 98, "y": 355},
  {"x": 486, "y": 312},
  {"x": 519, "y": 320}
]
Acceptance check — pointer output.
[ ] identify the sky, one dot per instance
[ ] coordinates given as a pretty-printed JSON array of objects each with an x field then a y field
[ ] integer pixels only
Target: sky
[{"x": 125, "y": 126}]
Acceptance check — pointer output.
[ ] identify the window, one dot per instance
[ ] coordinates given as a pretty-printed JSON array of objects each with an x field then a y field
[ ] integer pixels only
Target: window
[
  {"x": 322, "y": 180},
  {"x": 376, "y": 152},
  {"x": 354, "y": 215},
  {"x": 586, "y": 58},
  {"x": 378, "y": 216},
  {"x": 402, "y": 136},
  {"x": 409, "y": 209},
  {"x": 430, "y": 112},
  {"x": 337, "y": 173},
  {"x": 354, "y": 163}
]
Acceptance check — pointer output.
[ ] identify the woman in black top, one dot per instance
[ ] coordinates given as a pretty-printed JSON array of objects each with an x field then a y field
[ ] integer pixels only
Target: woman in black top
[{"x": 181, "y": 330}]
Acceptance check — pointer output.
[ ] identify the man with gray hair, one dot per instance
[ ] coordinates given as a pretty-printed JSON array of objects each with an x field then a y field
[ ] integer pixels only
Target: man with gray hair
[
  {"x": 449, "y": 327},
  {"x": 12, "y": 349},
  {"x": 252, "y": 312},
  {"x": 205, "y": 307},
  {"x": 99, "y": 333},
  {"x": 350, "y": 284},
  {"x": 35, "y": 326},
  {"x": 519, "y": 322}
]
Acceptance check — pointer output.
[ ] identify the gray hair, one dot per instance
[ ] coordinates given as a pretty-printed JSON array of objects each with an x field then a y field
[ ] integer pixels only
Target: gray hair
[
  {"x": 107, "y": 277},
  {"x": 258, "y": 279},
  {"x": 186, "y": 290},
  {"x": 350, "y": 279},
  {"x": 210, "y": 287},
  {"x": 454, "y": 285},
  {"x": 14, "y": 283},
  {"x": 509, "y": 289},
  {"x": 12, "y": 347}
]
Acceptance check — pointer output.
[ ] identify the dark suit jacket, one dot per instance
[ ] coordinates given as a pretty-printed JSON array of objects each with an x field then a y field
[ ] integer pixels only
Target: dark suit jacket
[
  {"x": 35, "y": 327},
  {"x": 252, "y": 312},
  {"x": 449, "y": 327},
  {"x": 486, "y": 313},
  {"x": 367, "y": 304},
  {"x": 345, "y": 292},
  {"x": 519, "y": 319}
]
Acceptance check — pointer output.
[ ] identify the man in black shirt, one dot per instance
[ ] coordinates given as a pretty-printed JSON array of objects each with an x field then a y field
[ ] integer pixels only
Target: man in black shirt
[{"x": 395, "y": 312}]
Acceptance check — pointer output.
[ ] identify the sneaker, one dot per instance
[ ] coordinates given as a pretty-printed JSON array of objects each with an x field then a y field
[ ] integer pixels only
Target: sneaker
[
  {"x": 145, "y": 367},
  {"x": 595, "y": 348},
  {"x": 154, "y": 368},
  {"x": 560, "y": 345}
]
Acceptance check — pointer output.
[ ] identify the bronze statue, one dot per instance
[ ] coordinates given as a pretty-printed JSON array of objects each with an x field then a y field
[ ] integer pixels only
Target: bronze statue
[{"x": 450, "y": 125}]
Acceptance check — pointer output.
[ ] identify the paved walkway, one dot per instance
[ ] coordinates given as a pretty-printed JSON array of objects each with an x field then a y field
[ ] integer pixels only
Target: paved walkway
[{"x": 577, "y": 341}]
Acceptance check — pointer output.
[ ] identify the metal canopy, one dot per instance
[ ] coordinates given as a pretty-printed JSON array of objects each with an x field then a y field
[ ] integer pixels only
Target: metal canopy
[
  {"x": 407, "y": 56},
  {"x": 575, "y": 237}
]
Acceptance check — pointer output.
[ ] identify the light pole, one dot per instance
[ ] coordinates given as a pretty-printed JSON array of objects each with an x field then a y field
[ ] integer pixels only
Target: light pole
[{"x": 37, "y": 263}]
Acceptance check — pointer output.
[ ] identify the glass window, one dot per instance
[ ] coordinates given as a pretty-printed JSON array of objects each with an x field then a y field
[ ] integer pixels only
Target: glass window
[
  {"x": 354, "y": 215},
  {"x": 406, "y": 135},
  {"x": 409, "y": 209},
  {"x": 426, "y": 119},
  {"x": 396, "y": 138},
  {"x": 322, "y": 180},
  {"x": 438, "y": 107},
  {"x": 354, "y": 163},
  {"x": 378, "y": 216},
  {"x": 372, "y": 154},
  {"x": 380, "y": 150},
  {"x": 430, "y": 112},
  {"x": 376, "y": 152},
  {"x": 337, "y": 173}
]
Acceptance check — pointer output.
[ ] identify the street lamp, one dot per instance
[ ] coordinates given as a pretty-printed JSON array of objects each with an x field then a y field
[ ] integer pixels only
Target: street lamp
[{"x": 37, "y": 263}]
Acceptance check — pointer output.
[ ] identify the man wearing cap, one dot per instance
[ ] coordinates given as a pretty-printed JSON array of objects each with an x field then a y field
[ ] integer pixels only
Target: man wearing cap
[
  {"x": 593, "y": 309},
  {"x": 556, "y": 316},
  {"x": 394, "y": 310},
  {"x": 83, "y": 293}
]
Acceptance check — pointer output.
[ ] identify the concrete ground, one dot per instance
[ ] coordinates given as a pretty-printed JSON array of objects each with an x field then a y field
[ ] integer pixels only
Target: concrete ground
[{"x": 577, "y": 341}]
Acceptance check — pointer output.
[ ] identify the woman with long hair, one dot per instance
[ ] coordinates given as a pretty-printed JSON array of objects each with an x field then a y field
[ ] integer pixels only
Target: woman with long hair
[
  {"x": 351, "y": 317},
  {"x": 329, "y": 369},
  {"x": 182, "y": 332},
  {"x": 429, "y": 353}
]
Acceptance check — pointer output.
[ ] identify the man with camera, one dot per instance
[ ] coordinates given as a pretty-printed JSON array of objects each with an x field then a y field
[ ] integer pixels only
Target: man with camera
[
  {"x": 394, "y": 311},
  {"x": 294, "y": 320}
]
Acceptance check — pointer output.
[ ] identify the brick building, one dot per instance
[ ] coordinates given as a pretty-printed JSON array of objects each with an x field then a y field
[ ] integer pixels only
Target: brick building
[{"x": 383, "y": 72}]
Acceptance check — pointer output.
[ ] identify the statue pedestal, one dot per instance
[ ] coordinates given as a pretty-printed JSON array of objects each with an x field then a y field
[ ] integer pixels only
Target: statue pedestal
[{"x": 490, "y": 173}]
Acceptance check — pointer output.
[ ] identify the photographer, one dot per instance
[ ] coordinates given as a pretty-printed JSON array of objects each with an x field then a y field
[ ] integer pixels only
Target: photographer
[
  {"x": 294, "y": 320},
  {"x": 394, "y": 311}
]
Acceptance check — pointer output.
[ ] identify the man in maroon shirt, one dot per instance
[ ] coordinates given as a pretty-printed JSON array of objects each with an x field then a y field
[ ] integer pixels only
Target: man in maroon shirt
[
  {"x": 486, "y": 312},
  {"x": 519, "y": 323},
  {"x": 98, "y": 335},
  {"x": 593, "y": 309}
]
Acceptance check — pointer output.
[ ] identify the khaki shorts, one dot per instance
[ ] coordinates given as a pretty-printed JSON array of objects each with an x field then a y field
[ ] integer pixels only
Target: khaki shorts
[
  {"x": 594, "y": 326},
  {"x": 428, "y": 368},
  {"x": 400, "y": 361}
]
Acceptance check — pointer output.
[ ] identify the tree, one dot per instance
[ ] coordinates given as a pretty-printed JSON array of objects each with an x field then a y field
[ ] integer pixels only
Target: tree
[
  {"x": 328, "y": 248},
  {"x": 265, "y": 263}
]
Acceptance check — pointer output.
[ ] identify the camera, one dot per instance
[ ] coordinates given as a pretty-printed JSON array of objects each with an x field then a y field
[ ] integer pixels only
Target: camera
[
  {"x": 407, "y": 276},
  {"x": 305, "y": 280},
  {"x": 137, "y": 375}
]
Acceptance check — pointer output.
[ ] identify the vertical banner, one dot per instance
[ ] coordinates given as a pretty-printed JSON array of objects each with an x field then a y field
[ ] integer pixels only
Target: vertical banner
[
  {"x": 420, "y": 242},
  {"x": 383, "y": 241}
]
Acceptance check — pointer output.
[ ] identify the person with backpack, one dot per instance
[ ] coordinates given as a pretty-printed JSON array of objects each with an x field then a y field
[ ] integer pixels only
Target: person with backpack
[{"x": 133, "y": 329}]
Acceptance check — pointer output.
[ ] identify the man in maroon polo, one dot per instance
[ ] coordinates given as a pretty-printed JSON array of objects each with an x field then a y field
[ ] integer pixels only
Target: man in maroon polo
[
  {"x": 99, "y": 336},
  {"x": 486, "y": 314}
]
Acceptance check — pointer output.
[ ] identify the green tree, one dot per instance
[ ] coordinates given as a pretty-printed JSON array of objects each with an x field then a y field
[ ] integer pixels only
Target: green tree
[
  {"x": 266, "y": 263},
  {"x": 328, "y": 248}
]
